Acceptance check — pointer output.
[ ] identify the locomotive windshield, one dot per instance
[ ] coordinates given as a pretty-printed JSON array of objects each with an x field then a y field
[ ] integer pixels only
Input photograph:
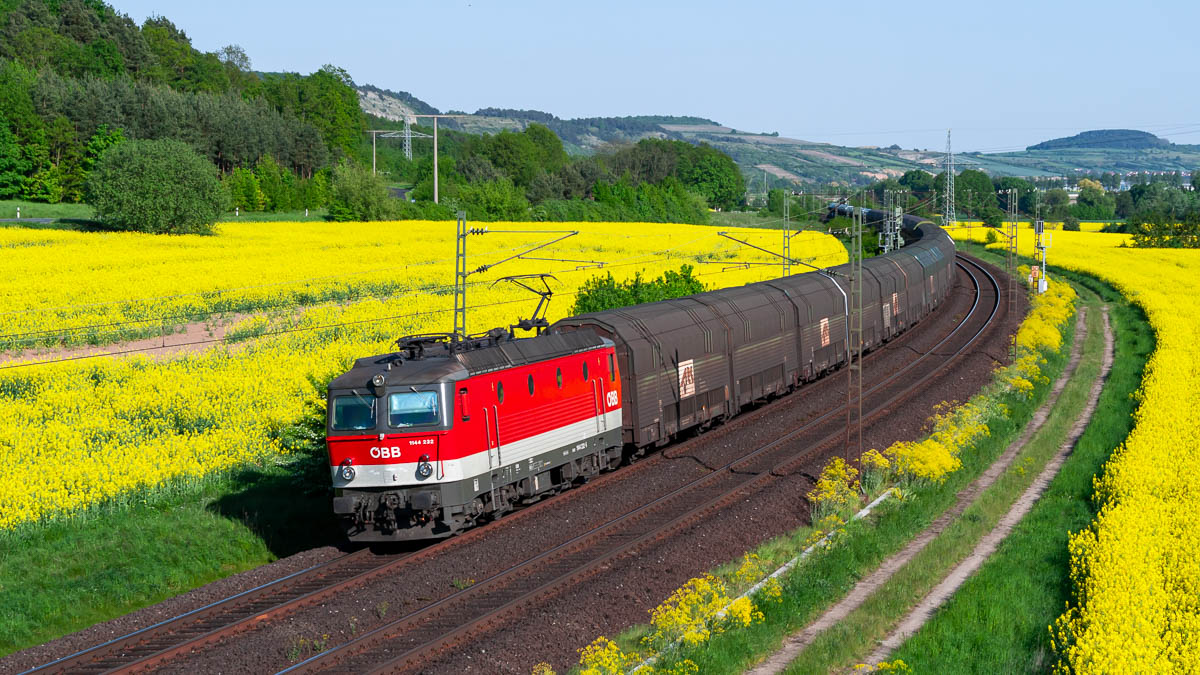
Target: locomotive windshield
[
  {"x": 353, "y": 413},
  {"x": 412, "y": 408}
]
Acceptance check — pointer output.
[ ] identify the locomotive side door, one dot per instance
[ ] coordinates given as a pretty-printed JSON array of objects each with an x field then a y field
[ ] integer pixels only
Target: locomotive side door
[
  {"x": 597, "y": 382},
  {"x": 491, "y": 433}
]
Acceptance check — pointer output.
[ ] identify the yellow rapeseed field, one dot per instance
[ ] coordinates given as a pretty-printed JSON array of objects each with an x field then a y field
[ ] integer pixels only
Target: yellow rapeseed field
[
  {"x": 1136, "y": 570},
  {"x": 77, "y": 433},
  {"x": 68, "y": 287},
  {"x": 1085, "y": 226}
]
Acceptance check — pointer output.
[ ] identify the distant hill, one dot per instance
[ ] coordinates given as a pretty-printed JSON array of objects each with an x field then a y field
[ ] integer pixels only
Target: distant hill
[
  {"x": 1102, "y": 150},
  {"x": 1121, "y": 139},
  {"x": 778, "y": 161},
  {"x": 392, "y": 105}
]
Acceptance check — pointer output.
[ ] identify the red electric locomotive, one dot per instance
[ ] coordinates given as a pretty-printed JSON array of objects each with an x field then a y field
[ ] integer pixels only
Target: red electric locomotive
[{"x": 425, "y": 441}]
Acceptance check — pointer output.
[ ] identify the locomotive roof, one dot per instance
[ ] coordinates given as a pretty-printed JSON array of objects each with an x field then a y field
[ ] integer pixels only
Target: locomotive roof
[
  {"x": 528, "y": 350},
  {"x": 439, "y": 364},
  {"x": 437, "y": 367}
]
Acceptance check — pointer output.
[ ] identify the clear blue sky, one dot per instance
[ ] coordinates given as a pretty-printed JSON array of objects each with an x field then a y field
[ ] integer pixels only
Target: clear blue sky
[{"x": 865, "y": 73}]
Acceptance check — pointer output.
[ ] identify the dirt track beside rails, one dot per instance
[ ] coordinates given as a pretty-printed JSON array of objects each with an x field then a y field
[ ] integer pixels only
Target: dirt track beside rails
[
  {"x": 190, "y": 337},
  {"x": 623, "y": 593}
]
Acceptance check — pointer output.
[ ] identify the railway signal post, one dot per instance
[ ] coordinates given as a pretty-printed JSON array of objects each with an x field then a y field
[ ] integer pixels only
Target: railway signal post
[
  {"x": 787, "y": 234},
  {"x": 1041, "y": 243},
  {"x": 1010, "y": 259}
]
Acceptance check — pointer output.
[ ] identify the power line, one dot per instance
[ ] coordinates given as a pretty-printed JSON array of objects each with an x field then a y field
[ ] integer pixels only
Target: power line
[
  {"x": 33, "y": 336},
  {"x": 282, "y": 331},
  {"x": 640, "y": 259}
]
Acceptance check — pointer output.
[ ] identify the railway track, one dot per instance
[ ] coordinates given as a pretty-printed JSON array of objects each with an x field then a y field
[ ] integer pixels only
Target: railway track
[
  {"x": 168, "y": 639},
  {"x": 413, "y": 639},
  {"x": 455, "y": 617}
]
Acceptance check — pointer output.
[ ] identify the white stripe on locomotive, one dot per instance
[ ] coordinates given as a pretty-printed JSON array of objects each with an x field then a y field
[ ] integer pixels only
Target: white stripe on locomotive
[{"x": 404, "y": 474}]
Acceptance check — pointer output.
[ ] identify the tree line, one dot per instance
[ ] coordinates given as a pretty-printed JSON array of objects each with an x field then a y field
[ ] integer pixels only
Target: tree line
[
  {"x": 78, "y": 79},
  {"x": 1160, "y": 213},
  {"x": 529, "y": 175}
]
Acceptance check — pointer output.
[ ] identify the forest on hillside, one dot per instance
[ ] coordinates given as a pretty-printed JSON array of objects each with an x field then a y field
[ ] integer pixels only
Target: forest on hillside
[
  {"x": 528, "y": 174},
  {"x": 77, "y": 78}
]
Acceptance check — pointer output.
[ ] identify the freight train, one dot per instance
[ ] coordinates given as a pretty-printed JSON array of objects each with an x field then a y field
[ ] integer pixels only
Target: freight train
[{"x": 445, "y": 432}]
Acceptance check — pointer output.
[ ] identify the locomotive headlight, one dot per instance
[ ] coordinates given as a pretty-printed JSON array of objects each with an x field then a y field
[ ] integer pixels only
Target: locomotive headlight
[
  {"x": 424, "y": 468},
  {"x": 378, "y": 380},
  {"x": 347, "y": 471}
]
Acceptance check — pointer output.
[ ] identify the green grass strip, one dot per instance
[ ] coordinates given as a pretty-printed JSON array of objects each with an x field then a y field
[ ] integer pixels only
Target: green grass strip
[
  {"x": 997, "y": 622},
  {"x": 63, "y": 576},
  {"x": 828, "y": 576},
  {"x": 8, "y": 209},
  {"x": 856, "y": 636}
]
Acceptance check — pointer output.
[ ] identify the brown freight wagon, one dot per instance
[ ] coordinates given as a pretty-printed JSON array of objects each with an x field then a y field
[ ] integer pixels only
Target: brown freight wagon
[{"x": 693, "y": 361}]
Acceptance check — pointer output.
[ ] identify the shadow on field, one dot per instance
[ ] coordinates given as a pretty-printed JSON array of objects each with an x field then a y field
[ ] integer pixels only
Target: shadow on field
[
  {"x": 287, "y": 514},
  {"x": 289, "y": 505},
  {"x": 72, "y": 224}
]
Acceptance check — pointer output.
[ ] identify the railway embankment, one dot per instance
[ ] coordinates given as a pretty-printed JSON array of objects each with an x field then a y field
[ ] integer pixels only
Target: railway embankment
[
  {"x": 858, "y": 549},
  {"x": 741, "y": 524},
  {"x": 882, "y": 611}
]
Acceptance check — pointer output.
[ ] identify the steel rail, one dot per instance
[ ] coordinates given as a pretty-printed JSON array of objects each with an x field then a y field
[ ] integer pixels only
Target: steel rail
[
  {"x": 248, "y": 603},
  {"x": 130, "y": 652}
]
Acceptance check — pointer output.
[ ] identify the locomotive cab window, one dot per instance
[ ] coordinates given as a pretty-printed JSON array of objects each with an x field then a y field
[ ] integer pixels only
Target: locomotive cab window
[
  {"x": 585, "y": 373},
  {"x": 412, "y": 408},
  {"x": 612, "y": 369},
  {"x": 353, "y": 413},
  {"x": 558, "y": 376},
  {"x": 531, "y": 385},
  {"x": 500, "y": 392}
]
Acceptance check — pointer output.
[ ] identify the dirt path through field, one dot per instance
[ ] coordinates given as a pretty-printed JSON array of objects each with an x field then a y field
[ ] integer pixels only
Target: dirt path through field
[
  {"x": 990, "y": 542},
  {"x": 194, "y": 337},
  {"x": 864, "y": 589}
]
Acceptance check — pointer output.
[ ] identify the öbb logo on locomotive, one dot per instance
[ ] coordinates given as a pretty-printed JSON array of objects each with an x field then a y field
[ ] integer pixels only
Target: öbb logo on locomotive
[
  {"x": 385, "y": 453},
  {"x": 448, "y": 431}
]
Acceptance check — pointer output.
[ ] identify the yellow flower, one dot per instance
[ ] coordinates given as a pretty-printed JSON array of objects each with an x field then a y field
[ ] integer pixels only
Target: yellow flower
[
  {"x": 750, "y": 570},
  {"x": 836, "y": 488},
  {"x": 1135, "y": 571},
  {"x": 604, "y": 657},
  {"x": 772, "y": 590},
  {"x": 107, "y": 430}
]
